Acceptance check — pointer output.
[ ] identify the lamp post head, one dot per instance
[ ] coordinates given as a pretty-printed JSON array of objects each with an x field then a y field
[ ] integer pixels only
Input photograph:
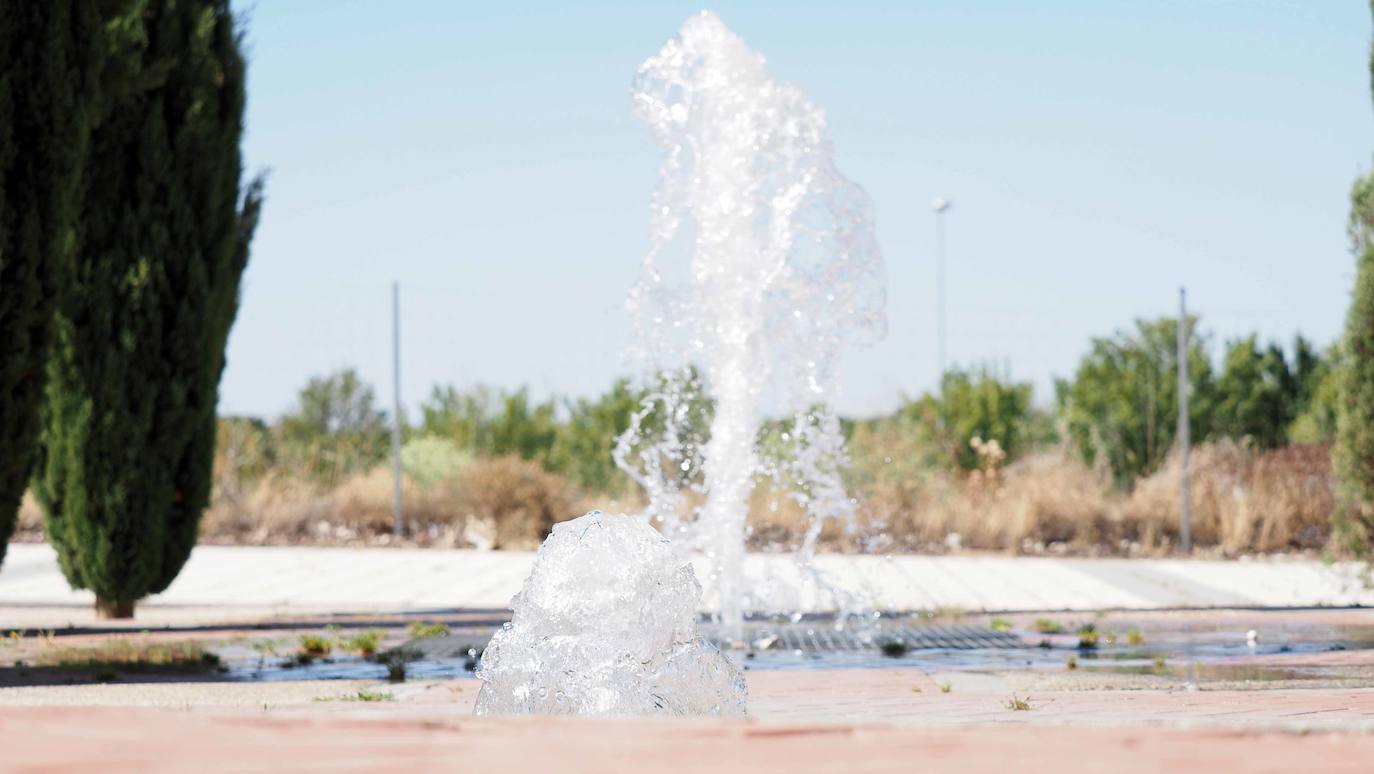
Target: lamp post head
[{"x": 940, "y": 204}]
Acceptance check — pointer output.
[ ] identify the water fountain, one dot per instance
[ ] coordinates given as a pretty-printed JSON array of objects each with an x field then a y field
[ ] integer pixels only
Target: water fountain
[
  {"x": 606, "y": 624},
  {"x": 763, "y": 267}
]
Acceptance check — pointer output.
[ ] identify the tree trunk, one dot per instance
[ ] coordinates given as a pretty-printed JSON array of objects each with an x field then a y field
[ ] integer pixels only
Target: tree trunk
[{"x": 108, "y": 608}]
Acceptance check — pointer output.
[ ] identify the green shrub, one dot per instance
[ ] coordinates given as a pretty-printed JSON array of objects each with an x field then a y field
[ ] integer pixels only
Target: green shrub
[
  {"x": 364, "y": 643},
  {"x": 584, "y": 445},
  {"x": 1088, "y": 636},
  {"x": 424, "y": 629},
  {"x": 1122, "y": 405},
  {"x": 429, "y": 459},
  {"x": 1316, "y": 421},
  {"x": 396, "y": 662},
  {"x": 491, "y": 423},
  {"x": 315, "y": 645},
  {"x": 334, "y": 430},
  {"x": 975, "y": 405},
  {"x": 1256, "y": 394}
]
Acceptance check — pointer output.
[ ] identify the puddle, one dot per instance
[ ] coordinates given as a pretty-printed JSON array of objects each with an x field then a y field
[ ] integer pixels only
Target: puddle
[
  {"x": 1205, "y": 671},
  {"x": 348, "y": 668},
  {"x": 1183, "y": 649},
  {"x": 279, "y": 663}
]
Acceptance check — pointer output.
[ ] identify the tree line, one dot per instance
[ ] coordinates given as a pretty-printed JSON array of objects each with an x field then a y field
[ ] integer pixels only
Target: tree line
[{"x": 1119, "y": 409}]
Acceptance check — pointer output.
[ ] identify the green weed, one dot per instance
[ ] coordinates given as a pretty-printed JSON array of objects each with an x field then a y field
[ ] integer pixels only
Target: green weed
[
  {"x": 1018, "y": 704},
  {"x": 1087, "y": 636},
  {"x": 315, "y": 645},
  {"x": 364, "y": 643},
  {"x": 423, "y": 629}
]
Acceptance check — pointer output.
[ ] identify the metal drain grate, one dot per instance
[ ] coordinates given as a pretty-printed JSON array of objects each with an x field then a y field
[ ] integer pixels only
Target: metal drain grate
[
  {"x": 453, "y": 645},
  {"x": 826, "y": 639},
  {"x": 811, "y": 638}
]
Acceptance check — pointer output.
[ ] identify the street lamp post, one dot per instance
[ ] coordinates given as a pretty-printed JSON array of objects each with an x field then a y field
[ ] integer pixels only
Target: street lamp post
[
  {"x": 1185, "y": 499},
  {"x": 397, "y": 517},
  {"x": 940, "y": 206}
]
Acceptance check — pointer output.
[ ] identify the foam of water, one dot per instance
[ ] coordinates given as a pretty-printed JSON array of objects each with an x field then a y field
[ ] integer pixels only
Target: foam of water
[
  {"x": 763, "y": 267},
  {"x": 606, "y": 625}
]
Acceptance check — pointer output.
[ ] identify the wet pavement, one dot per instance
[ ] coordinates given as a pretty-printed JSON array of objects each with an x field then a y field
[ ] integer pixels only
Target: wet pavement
[
  {"x": 1182, "y": 691},
  {"x": 1181, "y": 648}
]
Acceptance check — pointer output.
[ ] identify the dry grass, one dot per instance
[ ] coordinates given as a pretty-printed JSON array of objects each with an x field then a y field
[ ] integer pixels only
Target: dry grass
[
  {"x": 131, "y": 655},
  {"x": 30, "y": 521},
  {"x": 504, "y": 502},
  {"x": 513, "y": 502},
  {"x": 1047, "y": 499},
  {"x": 1243, "y": 501}
]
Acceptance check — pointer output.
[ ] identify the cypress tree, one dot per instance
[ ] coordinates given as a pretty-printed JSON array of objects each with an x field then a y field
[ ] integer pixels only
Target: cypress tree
[
  {"x": 140, "y": 336},
  {"x": 51, "y": 58},
  {"x": 1354, "y": 451}
]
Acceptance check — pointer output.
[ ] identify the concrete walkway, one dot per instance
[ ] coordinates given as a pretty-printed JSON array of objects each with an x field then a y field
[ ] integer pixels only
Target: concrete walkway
[{"x": 394, "y": 580}]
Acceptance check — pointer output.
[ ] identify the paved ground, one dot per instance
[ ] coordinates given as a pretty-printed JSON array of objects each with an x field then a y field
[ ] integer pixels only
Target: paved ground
[
  {"x": 867, "y": 720},
  {"x": 835, "y": 720},
  {"x": 296, "y": 580},
  {"x": 110, "y": 740}
]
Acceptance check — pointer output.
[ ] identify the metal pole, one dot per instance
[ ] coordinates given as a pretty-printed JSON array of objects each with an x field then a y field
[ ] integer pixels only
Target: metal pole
[
  {"x": 940, "y": 206},
  {"x": 398, "y": 521},
  {"x": 1185, "y": 530}
]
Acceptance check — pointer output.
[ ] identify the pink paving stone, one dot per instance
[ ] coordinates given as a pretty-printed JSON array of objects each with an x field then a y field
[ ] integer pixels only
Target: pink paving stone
[
  {"x": 839, "y": 720},
  {"x": 121, "y": 740}
]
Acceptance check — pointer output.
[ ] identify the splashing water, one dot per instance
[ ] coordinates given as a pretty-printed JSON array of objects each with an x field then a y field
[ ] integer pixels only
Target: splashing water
[
  {"x": 763, "y": 266},
  {"x": 606, "y": 624}
]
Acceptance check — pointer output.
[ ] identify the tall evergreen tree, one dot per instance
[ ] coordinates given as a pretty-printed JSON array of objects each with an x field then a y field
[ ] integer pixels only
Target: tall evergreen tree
[
  {"x": 1354, "y": 452},
  {"x": 52, "y": 56},
  {"x": 140, "y": 335}
]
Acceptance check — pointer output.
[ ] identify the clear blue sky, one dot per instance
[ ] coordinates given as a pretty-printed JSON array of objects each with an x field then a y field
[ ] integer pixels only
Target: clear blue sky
[{"x": 1100, "y": 153}]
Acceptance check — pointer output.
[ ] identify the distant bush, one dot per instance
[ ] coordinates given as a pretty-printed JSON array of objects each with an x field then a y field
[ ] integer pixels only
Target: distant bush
[
  {"x": 492, "y": 423},
  {"x": 974, "y": 404},
  {"x": 429, "y": 459},
  {"x": 243, "y": 448},
  {"x": 1122, "y": 404},
  {"x": 513, "y": 502},
  {"x": 1260, "y": 392},
  {"x": 1316, "y": 421},
  {"x": 974, "y": 466},
  {"x": 1242, "y": 500},
  {"x": 285, "y": 509},
  {"x": 584, "y": 444},
  {"x": 334, "y": 430}
]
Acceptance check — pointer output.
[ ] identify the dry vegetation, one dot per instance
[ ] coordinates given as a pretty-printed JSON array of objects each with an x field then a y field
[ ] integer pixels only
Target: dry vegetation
[
  {"x": 502, "y": 502},
  {"x": 1243, "y": 501}
]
